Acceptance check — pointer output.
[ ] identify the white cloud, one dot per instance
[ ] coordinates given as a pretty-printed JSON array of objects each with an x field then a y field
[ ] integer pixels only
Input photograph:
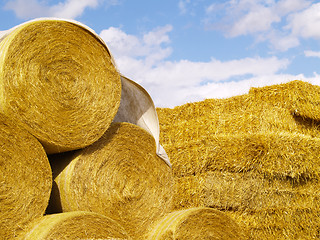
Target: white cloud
[
  {"x": 285, "y": 7},
  {"x": 259, "y": 19},
  {"x": 280, "y": 41},
  {"x": 281, "y": 23},
  {"x": 27, "y": 9},
  {"x": 172, "y": 83},
  {"x": 309, "y": 53},
  {"x": 306, "y": 23},
  {"x": 70, "y": 9},
  {"x": 148, "y": 48}
]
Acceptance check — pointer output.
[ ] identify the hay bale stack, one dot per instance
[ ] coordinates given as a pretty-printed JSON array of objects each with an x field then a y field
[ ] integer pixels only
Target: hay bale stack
[
  {"x": 58, "y": 80},
  {"x": 266, "y": 181},
  {"x": 254, "y": 156},
  {"x": 274, "y": 154},
  {"x": 25, "y": 178},
  {"x": 74, "y": 225},
  {"x": 287, "y": 223},
  {"x": 195, "y": 223},
  {"x": 245, "y": 192},
  {"x": 261, "y": 110},
  {"x": 119, "y": 176},
  {"x": 300, "y": 98}
]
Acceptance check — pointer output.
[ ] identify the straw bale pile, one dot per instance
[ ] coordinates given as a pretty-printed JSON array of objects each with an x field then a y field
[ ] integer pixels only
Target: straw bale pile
[
  {"x": 277, "y": 154},
  {"x": 112, "y": 178},
  {"x": 58, "y": 80},
  {"x": 73, "y": 225},
  {"x": 25, "y": 178},
  {"x": 246, "y": 192},
  {"x": 195, "y": 223},
  {"x": 279, "y": 223},
  {"x": 300, "y": 98},
  {"x": 248, "y": 113},
  {"x": 254, "y": 156},
  {"x": 119, "y": 176}
]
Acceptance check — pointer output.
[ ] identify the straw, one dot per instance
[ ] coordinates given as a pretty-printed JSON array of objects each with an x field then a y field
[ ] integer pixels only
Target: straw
[
  {"x": 119, "y": 176},
  {"x": 25, "y": 178},
  {"x": 74, "y": 225},
  {"x": 58, "y": 80}
]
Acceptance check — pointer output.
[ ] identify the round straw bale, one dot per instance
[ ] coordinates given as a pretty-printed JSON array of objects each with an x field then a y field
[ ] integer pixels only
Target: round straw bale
[
  {"x": 73, "y": 225},
  {"x": 58, "y": 80},
  {"x": 195, "y": 223},
  {"x": 137, "y": 107},
  {"x": 25, "y": 178},
  {"x": 119, "y": 176}
]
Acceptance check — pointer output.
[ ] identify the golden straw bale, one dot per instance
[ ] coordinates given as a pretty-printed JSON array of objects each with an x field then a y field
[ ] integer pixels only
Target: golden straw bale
[
  {"x": 119, "y": 176},
  {"x": 246, "y": 113},
  {"x": 137, "y": 107},
  {"x": 300, "y": 97},
  {"x": 279, "y": 223},
  {"x": 58, "y": 80},
  {"x": 278, "y": 154},
  {"x": 73, "y": 225},
  {"x": 25, "y": 178},
  {"x": 195, "y": 223},
  {"x": 244, "y": 192}
]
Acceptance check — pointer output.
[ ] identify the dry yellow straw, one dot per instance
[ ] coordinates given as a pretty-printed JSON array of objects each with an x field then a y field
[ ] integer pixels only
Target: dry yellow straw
[
  {"x": 58, "y": 80},
  {"x": 301, "y": 98},
  {"x": 270, "y": 108},
  {"x": 255, "y": 156},
  {"x": 275, "y": 154},
  {"x": 245, "y": 192},
  {"x": 74, "y": 225},
  {"x": 119, "y": 176},
  {"x": 195, "y": 223},
  {"x": 25, "y": 178},
  {"x": 280, "y": 223},
  {"x": 137, "y": 107}
]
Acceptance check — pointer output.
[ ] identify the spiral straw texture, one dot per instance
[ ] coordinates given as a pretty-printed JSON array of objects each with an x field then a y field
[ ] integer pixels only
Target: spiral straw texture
[
  {"x": 119, "y": 176},
  {"x": 74, "y": 225},
  {"x": 58, "y": 80},
  {"x": 25, "y": 178},
  {"x": 195, "y": 223}
]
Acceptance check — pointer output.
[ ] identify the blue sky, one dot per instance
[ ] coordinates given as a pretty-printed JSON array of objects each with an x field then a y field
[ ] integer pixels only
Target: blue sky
[{"x": 188, "y": 50}]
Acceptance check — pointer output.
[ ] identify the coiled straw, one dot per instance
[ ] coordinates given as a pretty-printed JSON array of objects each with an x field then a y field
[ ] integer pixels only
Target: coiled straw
[
  {"x": 74, "y": 225},
  {"x": 119, "y": 176},
  {"x": 25, "y": 178},
  {"x": 58, "y": 80}
]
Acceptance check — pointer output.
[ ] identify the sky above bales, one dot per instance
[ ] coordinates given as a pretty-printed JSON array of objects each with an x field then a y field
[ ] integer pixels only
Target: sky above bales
[{"x": 188, "y": 50}]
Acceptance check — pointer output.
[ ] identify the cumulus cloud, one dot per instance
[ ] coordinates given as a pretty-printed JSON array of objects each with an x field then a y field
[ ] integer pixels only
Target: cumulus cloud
[
  {"x": 148, "y": 49},
  {"x": 172, "y": 83},
  {"x": 70, "y": 9},
  {"x": 309, "y": 53},
  {"x": 282, "y": 22},
  {"x": 306, "y": 23}
]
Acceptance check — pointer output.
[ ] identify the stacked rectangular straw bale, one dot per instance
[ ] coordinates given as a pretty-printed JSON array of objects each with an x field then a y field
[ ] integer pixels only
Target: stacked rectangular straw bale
[{"x": 254, "y": 156}]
